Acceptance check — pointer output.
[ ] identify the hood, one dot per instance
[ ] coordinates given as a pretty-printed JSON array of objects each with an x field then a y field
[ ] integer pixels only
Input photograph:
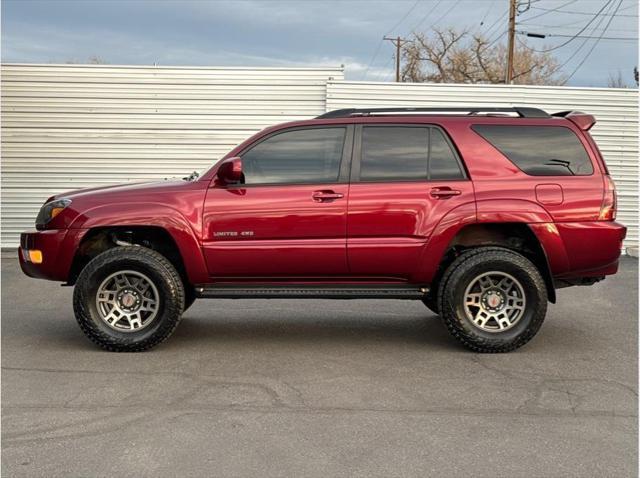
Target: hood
[{"x": 129, "y": 188}]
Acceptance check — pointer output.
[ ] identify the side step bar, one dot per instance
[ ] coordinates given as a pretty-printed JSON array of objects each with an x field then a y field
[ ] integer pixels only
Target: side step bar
[{"x": 310, "y": 292}]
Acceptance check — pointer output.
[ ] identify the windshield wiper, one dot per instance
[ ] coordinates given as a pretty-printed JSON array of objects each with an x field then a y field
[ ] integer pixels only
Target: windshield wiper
[{"x": 559, "y": 162}]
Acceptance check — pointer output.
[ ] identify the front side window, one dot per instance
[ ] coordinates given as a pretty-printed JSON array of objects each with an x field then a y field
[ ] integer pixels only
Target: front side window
[
  {"x": 539, "y": 150},
  {"x": 298, "y": 156},
  {"x": 407, "y": 153}
]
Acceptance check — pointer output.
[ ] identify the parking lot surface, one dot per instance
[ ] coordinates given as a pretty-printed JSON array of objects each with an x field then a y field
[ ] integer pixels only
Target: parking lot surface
[{"x": 320, "y": 388}]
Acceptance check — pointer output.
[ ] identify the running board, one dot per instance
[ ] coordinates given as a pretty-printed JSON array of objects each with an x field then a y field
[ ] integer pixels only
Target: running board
[{"x": 310, "y": 292}]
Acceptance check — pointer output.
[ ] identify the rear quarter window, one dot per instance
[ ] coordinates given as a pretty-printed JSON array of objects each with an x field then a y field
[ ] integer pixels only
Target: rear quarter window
[{"x": 539, "y": 150}]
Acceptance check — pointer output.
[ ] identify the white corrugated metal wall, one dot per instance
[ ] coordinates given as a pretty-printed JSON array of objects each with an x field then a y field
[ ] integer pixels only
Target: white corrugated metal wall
[
  {"x": 615, "y": 109},
  {"x": 72, "y": 126}
]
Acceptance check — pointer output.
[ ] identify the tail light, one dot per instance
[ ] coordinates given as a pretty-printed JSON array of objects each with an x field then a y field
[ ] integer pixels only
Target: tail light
[{"x": 609, "y": 203}]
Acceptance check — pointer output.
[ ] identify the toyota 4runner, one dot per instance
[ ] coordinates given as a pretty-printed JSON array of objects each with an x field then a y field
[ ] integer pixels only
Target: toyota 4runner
[{"x": 481, "y": 213}]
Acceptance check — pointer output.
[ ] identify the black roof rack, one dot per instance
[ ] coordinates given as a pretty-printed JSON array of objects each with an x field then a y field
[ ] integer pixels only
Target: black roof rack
[{"x": 523, "y": 112}]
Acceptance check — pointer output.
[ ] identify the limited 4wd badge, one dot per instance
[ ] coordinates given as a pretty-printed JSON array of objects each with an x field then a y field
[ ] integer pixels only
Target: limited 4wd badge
[{"x": 233, "y": 233}]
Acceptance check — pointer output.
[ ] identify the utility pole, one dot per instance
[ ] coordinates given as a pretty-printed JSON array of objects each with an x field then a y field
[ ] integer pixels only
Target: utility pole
[
  {"x": 512, "y": 40},
  {"x": 398, "y": 43}
]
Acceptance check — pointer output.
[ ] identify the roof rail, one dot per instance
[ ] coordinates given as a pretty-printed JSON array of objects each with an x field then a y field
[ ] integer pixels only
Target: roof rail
[{"x": 522, "y": 111}]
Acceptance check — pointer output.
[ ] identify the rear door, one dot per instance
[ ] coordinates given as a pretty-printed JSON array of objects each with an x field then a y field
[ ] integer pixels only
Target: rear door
[
  {"x": 404, "y": 180},
  {"x": 289, "y": 217}
]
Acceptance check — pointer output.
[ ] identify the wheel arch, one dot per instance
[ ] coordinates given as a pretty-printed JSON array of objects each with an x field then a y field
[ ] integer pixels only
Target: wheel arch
[
  {"x": 516, "y": 236},
  {"x": 184, "y": 231},
  {"x": 98, "y": 239}
]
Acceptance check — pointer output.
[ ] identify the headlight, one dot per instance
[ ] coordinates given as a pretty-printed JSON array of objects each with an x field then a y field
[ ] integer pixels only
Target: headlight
[{"x": 49, "y": 211}]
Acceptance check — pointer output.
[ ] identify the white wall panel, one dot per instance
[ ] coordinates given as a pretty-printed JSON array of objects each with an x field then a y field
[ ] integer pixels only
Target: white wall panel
[
  {"x": 72, "y": 126},
  {"x": 615, "y": 109}
]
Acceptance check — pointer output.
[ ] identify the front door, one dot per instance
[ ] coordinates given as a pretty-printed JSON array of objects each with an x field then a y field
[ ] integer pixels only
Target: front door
[
  {"x": 288, "y": 219},
  {"x": 405, "y": 180}
]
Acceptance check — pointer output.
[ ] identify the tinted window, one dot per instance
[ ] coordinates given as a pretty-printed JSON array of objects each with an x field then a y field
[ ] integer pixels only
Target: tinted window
[
  {"x": 300, "y": 156},
  {"x": 539, "y": 150},
  {"x": 397, "y": 153},
  {"x": 393, "y": 153},
  {"x": 443, "y": 163}
]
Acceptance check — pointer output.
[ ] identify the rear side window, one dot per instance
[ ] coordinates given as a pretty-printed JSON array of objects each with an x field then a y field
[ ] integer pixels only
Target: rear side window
[
  {"x": 539, "y": 150},
  {"x": 299, "y": 156},
  {"x": 399, "y": 153},
  {"x": 443, "y": 163}
]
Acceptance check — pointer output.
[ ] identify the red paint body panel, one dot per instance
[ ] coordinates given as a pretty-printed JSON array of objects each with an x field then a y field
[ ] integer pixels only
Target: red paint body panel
[
  {"x": 58, "y": 248},
  {"x": 591, "y": 246},
  {"x": 376, "y": 232},
  {"x": 390, "y": 223},
  {"x": 279, "y": 231}
]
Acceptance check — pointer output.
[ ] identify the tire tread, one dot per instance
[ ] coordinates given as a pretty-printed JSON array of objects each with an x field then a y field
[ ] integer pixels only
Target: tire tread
[{"x": 174, "y": 304}]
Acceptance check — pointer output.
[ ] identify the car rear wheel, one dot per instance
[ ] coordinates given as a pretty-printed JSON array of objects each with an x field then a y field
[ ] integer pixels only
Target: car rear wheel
[
  {"x": 492, "y": 299},
  {"x": 128, "y": 299}
]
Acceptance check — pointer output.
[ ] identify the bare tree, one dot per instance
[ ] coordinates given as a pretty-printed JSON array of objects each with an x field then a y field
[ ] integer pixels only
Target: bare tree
[
  {"x": 453, "y": 56},
  {"x": 635, "y": 74},
  {"x": 616, "y": 81},
  {"x": 93, "y": 60}
]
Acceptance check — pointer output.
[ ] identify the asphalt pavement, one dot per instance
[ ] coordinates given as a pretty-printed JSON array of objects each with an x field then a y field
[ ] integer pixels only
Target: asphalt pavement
[{"x": 310, "y": 388}]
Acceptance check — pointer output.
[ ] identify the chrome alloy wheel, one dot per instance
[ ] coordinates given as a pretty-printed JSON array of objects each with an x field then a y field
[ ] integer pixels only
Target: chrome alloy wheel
[
  {"x": 494, "y": 301},
  {"x": 127, "y": 301}
]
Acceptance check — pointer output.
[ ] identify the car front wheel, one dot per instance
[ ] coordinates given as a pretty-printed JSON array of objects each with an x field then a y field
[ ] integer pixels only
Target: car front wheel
[{"x": 128, "y": 299}]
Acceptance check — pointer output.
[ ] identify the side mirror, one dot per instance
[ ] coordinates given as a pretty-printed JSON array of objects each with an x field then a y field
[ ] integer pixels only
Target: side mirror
[{"x": 230, "y": 172}]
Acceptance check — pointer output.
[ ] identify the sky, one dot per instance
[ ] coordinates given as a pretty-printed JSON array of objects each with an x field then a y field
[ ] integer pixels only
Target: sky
[{"x": 307, "y": 32}]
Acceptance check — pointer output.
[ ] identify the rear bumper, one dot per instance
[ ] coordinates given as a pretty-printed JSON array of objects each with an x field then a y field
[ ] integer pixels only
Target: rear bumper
[
  {"x": 57, "y": 248},
  {"x": 593, "y": 248},
  {"x": 581, "y": 249}
]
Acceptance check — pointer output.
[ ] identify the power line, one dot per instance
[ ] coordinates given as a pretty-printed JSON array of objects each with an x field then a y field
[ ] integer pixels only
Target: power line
[
  {"x": 590, "y": 37},
  {"x": 595, "y": 43},
  {"x": 564, "y": 26},
  {"x": 498, "y": 38},
  {"x": 375, "y": 54},
  {"x": 575, "y": 52},
  {"x": 499, "y": 20},
  {"x": 403, "y": 18},
  {"x": 419, "y": 24},
  {"x": 580, "y": 21},
  {"x": 486, "y": 14},
  {"x": 573, "y": 37},
  {"x": 455, "y": 4},
  {"x": 573, "y": 12},
  {"x": 549, "y": 10}
]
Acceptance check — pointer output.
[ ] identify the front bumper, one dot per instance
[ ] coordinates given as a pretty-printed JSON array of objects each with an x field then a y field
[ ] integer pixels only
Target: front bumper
[{"x": 56, "y": 248}]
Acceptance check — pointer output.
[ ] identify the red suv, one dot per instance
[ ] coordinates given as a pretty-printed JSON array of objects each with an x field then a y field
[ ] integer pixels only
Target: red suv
[{"x": 481, "y": 213}]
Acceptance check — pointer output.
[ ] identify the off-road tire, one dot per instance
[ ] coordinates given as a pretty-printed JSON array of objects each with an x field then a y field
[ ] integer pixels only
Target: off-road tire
[
  {"x": 468, "y": 266},
  {"x": 157, "y": 268}
]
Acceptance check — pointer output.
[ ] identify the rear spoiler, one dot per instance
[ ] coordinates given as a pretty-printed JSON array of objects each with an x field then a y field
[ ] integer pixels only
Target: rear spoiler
[{"x": 580, "y": 119}]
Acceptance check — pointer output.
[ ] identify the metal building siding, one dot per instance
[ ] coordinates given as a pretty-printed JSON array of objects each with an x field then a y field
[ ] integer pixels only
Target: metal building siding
[
  {"x": 615, "y": 109},
  {"x": 73, "y": 126}
]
